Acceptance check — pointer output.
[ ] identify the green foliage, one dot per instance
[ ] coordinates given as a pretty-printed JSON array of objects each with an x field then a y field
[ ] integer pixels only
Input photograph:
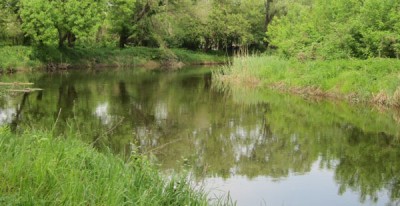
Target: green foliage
[
  {"x": 10, "y": 28},
  {"x": 192, "y": 57},
  {"x": 122, "y": 19},
  {"x": 38, "y": 168},
  {"x": 17, "y": 57},
  {"x": 121, "y": 13},
  {"x": 50, "y": 22},
  {"x": 38, "y": 20},
  {"x": 190, "y": 24},
  {"x": 363, "y": 78},
  {"x": 307, "y": 29},
  {"x": 196, "y": 25},
  {"x": 338, "y": 29},
  {"x": 222, "y": 25}
]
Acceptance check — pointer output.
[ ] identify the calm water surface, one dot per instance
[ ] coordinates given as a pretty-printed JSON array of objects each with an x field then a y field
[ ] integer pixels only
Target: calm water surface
[{"x": 261, "y": 147}]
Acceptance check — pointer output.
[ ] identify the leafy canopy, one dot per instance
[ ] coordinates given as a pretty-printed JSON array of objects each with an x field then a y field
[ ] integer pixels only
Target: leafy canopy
[{"x": 49, "y": 21}]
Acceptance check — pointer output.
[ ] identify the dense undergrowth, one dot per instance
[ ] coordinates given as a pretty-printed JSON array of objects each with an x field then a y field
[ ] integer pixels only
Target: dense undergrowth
[
  {"x": 22, "y": 58},
  {"x": 39, "y": 169},
  {"x": 376, "y": 80}
]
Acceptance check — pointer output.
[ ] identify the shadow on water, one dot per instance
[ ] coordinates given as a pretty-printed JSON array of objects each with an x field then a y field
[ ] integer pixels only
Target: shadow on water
[{"x": 186, "y": 123}]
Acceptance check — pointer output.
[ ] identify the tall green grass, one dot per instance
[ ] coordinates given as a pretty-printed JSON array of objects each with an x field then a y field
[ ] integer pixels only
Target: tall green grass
[
  {"x": 365, "y": 79},
  {"x": 39, "y": 169}
]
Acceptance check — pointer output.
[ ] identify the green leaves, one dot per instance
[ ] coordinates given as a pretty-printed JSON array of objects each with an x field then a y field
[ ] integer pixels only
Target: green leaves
[
  {"x": 38, "y": 21},
  {"x": 10, "y": 27},
  {"x": 222, "y": 24},
  {"x": 122, "y": 18},
  {"x": 200, "y": 24},
  {"x": 50, "y": 21},
  {"x": 122, "y": 12},
  {"x": 338, "y": 29}
]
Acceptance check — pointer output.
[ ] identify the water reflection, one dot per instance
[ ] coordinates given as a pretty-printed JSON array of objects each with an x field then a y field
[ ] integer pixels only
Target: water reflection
[
  {"x": 101, "y": 111},
  {"x": 6, "y": 115},
  {"x": 331, "y": 152}
]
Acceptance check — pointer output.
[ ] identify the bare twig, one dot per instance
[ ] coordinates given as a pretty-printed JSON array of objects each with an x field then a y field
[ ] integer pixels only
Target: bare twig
[
  {"x": 55, "y": 123},
  {"x": 164, "y": 145},
  {"x": 109, "y": 131},
  {"x": 115, "y": 126}
]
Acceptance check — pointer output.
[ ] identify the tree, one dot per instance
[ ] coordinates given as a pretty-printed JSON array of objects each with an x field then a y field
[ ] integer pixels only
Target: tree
[
  {"x": 220, "y": 24},
  {"x": 10, "y": 23},
  {"x": 132, "y": 19},
  {"x": 318, "y": 29},
  {"x": 49, "y": 21},
  {"x": 122, "y": 17},
  {"x": 379, "y": 26},
  {"x": 201, "y": 24},
  {"x": 228, "y": 27}
]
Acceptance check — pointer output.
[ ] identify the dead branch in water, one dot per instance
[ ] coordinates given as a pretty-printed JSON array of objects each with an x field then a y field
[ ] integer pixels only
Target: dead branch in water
[
  {"x": 162, "y": 146},
  {"x": 27, "y": 90},
  {"x": 15, "y": 83}
]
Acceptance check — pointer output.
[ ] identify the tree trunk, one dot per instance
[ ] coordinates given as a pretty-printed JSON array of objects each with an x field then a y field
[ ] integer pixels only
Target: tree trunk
[
  {"x": 268, "y": 14},
  {"x": 71, "y": 39},
  {"x": 207, "y": 45},
  {"x": 123, "y": 37},
  {"x": 61, "y": 39},
  {"x": 26, "y": 40},
  {"x": 145, "y": 10},
  {"x": 122, "y": 41}
]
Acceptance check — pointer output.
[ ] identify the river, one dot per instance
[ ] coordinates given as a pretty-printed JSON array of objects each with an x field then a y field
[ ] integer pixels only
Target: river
[{"x": 257, "y": 146}]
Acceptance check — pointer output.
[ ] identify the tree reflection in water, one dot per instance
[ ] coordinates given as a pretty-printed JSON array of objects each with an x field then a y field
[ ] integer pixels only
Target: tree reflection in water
[{"x": 185, "y": 122}]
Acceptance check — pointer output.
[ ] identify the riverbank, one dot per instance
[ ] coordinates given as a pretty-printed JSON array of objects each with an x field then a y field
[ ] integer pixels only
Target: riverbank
[
  {"x": 14, "y": 58},
  {"x": 375, "y": 81},
  {"x": 39, "y": 169}
]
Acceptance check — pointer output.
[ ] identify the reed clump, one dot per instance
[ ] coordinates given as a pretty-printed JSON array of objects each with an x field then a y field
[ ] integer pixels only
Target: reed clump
[{"x": 396, "y": 98}]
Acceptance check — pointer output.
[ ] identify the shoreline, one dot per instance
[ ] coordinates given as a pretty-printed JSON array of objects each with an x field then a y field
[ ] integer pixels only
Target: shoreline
[
  {"x": 372, "y": 81},
  {"x": 20, "y": 58}
]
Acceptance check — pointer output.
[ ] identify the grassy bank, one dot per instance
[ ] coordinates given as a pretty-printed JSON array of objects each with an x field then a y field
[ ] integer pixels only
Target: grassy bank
[
  {"x": 38, "y": 169},
  {"x": 373, "y": 80},
  {"x": 23, "y": 58}
]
